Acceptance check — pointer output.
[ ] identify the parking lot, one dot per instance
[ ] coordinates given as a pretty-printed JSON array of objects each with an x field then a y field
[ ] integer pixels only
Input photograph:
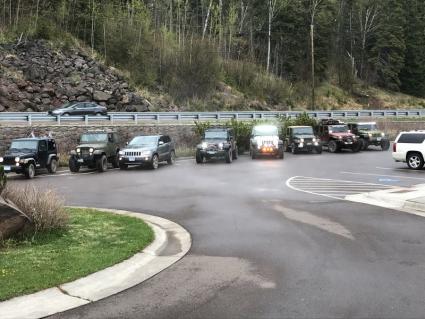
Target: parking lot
[{"x": 271, "y": 238}]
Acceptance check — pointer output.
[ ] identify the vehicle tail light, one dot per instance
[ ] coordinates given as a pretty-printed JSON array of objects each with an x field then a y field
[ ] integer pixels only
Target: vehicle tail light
[{"x": 395, "y": 147}]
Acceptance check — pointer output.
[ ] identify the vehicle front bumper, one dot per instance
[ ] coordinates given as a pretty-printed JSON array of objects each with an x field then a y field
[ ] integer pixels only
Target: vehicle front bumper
[
  {"x": 212, "y": 153},
  {"x": 268, "y": 150},
  {"x": 13, "y": 168},
  {"x": 346, "y": 144},
  {"x": 376, "y": 141},
  {"x": 135, "y": 160},
  {"x": 308, "y": 147},
  {"x": 85, "y": 160}
]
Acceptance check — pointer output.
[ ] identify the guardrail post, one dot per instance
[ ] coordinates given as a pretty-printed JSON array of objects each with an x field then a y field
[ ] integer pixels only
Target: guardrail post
[
  {"x": 157, "y": 117},
  {"x": 236, "y": 116},
  {"x": 218, "y": 116},
  {"x": 30, "y": 119},
  {"x": 111, "y": 118},
  {"x": 178, "y": 117},
  {"x": 58, "y": 119},
  {"x": 86, "y": 119},
  {"x": 136, "y": 118}
]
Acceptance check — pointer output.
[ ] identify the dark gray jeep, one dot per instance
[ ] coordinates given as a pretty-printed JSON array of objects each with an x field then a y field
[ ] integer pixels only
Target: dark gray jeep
[
  {"x": 148, "y": 150},
  {"x": 26, "y": 155},
  {"x": 218, "y": 143}
]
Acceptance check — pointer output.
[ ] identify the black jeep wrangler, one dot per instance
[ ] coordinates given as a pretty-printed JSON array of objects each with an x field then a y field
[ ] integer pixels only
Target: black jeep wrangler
[
  {"x": 217, "y": 143},
  {"x": 27, "y": 155},
  {"x": 302, "y": 138}
]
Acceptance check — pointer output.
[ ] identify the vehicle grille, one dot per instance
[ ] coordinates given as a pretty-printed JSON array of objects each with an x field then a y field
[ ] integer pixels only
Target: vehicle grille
[
  {"x": 85, "y": 152},
  {"x": 308, "y": 140},
  {"x": 212, "y": 147},
  {"x": 376, "y": 135},
  {"x": 133, "y": 153},
  {"x": 9, "y": 161},
  {"x": 267, "y": 142}
]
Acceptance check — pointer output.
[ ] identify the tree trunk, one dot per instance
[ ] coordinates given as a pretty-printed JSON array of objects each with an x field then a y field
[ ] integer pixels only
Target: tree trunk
[
  {"x": 313, "y": 97},
  {"x": 206, "y": 20},
  {"x": 269, "y": 38}
]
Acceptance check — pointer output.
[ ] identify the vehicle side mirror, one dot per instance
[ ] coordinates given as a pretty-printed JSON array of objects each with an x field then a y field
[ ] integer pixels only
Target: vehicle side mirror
[
  {"x": 126, "y": 143},
  {"x": 161, "y": 143}
]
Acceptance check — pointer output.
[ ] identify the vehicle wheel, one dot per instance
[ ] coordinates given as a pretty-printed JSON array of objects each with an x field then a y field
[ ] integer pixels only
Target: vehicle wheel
[
  {"x": 123, "y": 167},
  {"x": 199, "y": 158},
  {"x": 415, "y": 161},
  {"x": 294, "y": 149},
  {"x": 65, "y": 114},
  {"x": 155, "y": 161},
  {"x": 318, "y": 150},
  {"x": 356, "y": 147},
  {"x": 30, "y": 171},
  {"x": 253, "y": 155},
  {"x": 280, "y": 156},
  {"x": 287, "y": 148},
  {"x": 102, "y": 164},
  {"x": 229, "y": 156},
  {"x": 74, "y": 167},
  {"x": 53, "y": 166},
  {"x": 332, "y": 147},
  {"x": 385, "y": 145},
  {"x": 98, "y": 114},
  {"x": 172, "y": 158},
  {"x": 235, "y": 153},
  {"x": 116, "y": 161},
  {"x": 363, "y": 144}
]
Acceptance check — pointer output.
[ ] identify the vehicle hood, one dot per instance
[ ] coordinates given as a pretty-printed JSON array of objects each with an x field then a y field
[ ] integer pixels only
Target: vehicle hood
[
  {"x": 214, "y": 141},
  {"x": 139, "y": 149},
  {"x": 19, "y": 154},
  {"x": 375, "y": 132},
  {"x": 304, "y": 136},
  {"x": 96, "y": 146},
  {"x": 345, "y": 134}
]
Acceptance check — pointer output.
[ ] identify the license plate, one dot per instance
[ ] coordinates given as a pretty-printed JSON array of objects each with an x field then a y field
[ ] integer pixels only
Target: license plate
[
  {"x": 210, "y": 153},
  {"x": 7, "y": 168},
  {"x": 80, "y": 160},
  {"x": 132, "y": 159},
  {"x": 379, "y": 139},
  {"x": 308, "y": 143},
  {"x": 348, "y": 142}
]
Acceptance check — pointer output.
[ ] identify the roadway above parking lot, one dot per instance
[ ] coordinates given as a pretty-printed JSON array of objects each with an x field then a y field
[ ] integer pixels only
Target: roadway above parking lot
[{"x": 262, "y": 249}]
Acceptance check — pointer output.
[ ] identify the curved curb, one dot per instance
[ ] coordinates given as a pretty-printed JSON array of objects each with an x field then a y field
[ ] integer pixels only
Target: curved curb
[{"x": 171, "y": 243}]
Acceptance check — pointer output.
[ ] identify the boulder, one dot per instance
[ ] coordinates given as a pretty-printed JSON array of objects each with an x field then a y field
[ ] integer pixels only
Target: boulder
[
  {"x": 12, "y": 219},
  {"x": 101, "y": 96}
]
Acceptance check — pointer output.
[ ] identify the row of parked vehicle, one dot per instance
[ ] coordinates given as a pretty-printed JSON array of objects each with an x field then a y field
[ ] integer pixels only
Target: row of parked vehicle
[{"x": 98, "y": 149}]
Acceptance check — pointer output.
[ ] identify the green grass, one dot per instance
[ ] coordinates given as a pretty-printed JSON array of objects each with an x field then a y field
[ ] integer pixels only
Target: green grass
[{"x": 94, "y": 241}]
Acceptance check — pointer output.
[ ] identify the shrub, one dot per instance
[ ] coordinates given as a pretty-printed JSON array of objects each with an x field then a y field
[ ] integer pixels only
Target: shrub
[
  {"x": 45, "y": 208},
  {"x": 242, "y": 131},
  {"x": 3, "y": 180},
  {"x": 200, "y": 128}
]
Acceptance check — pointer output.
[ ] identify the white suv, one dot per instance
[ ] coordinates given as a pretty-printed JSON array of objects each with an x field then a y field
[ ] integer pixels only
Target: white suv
[{"x": 409, "y": 147}]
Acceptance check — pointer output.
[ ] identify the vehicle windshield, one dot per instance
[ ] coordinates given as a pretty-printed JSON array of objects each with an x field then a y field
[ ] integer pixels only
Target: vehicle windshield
[
  {"x": 94, "y": 138},
  {"x": 303, "y": 131},
  {"x": 338, "y": 128},
  {"x": 218, "y": 135},
  {"x": 141, "y": 141},
  {"x": 24, "y": 145},
  {"x": 265, "y": 131},
  {"x": 368, "y": 127},
  {"x": 67, "y": 105}
]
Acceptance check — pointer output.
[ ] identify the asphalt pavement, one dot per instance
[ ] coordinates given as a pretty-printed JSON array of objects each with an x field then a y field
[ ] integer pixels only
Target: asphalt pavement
[{"x": 262, "y": 249}]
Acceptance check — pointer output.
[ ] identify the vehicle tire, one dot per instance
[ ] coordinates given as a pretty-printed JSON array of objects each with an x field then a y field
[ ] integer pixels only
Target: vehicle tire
[
  {"x": 287, "y": 148},
  {"x": 332, "y": 147},
  {"x": 385, "y": 145},
  {"x": 415, "y": 161},
  {"x": 363, "y": 144},
  {"x": 155, "y": 161},
  {"x": 98, "y": 114},
  {"x": 66, "y": 114},
  {"x": 229, "y": 156},
  {"x": 294, "y": 149},
  {"x": 123, "y": 167},
  {"x": 356, "y": 147},
  {"x": 280, "y": 155},
  {"x": 199, "y": 158},
  {"x": 253, "y": 155},
  {"x": 318, "y": 150},
  {"x": 74, "y": 167},
  {"x": 53, "y": 166},
  {"x": 102, "y": 164},
  {"x": 235, "y": 153},
  {"x": 172, "y": 158},
  {"x": 30, "y": 171},
  {"x": 116, "y": 161}
]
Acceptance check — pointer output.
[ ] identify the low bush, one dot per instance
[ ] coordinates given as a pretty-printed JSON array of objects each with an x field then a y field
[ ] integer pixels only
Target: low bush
[{"x": 45, "y": 208}]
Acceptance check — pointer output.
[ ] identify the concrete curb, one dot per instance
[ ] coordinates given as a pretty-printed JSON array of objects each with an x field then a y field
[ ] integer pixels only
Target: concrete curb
[{"x": 171, "y": 243}]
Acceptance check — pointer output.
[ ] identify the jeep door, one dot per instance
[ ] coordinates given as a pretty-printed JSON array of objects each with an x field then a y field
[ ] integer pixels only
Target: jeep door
[
  {"x": 42, "y": 154},
  {"x": 324, "y": 134},
  {"x": 110, "y": 147}
]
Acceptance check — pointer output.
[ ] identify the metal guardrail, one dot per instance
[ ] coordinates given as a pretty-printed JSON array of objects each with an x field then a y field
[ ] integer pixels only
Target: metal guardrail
[{"x": 117, "y": 117}]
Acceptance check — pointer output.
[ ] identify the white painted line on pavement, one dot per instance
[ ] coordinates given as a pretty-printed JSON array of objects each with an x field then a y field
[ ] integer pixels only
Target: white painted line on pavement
[{"x": 382, "y": 175}]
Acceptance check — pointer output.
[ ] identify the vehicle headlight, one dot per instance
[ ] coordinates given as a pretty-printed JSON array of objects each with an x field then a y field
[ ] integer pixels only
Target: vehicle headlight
[
  {"x": 340, "y": 137},
  {"x": 204, "y": 145},
  {"x": 302, "y": 140},
  {"x": 220, "y": 145},
  {"x": 1, "y": 159},
  {"x": 382, "y": 134},
  {"x": 370, "y": 134},
  {"x": 91, "y": 149},
  {"x": 17, "y": 159},
  {"x": 78, "y": 150},
  {"x": 314, "y": 140},
  {"x": 121, "y": 153}
]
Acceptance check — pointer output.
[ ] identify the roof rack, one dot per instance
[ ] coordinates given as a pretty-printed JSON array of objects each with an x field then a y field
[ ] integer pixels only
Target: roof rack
[{"x": 330, "y": 122}]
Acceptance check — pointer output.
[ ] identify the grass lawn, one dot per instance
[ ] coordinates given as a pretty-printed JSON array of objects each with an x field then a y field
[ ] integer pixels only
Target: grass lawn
[{"x": 93, "y": 241}]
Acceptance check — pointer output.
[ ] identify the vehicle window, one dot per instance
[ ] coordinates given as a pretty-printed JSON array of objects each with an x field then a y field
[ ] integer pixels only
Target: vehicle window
[
  {"x": 265, "y": 130},
  {"x": 110, "y": 138},
  {"x": 303, "y": 131},
  {"x": 411, "y": 138},
  {"x": 368, "y": 127},
  {"x": 215, "y": 135},
  {"x": 338, "y": 128},
  {"x": 94, "y": 137},
  {"x": 144, "y": 141},
  {"x": 24, "y": 144},
  {"x": 167, "y": 139},
  {"x": 42, "y": 146},
  {"x": 51, "y": 145}
]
